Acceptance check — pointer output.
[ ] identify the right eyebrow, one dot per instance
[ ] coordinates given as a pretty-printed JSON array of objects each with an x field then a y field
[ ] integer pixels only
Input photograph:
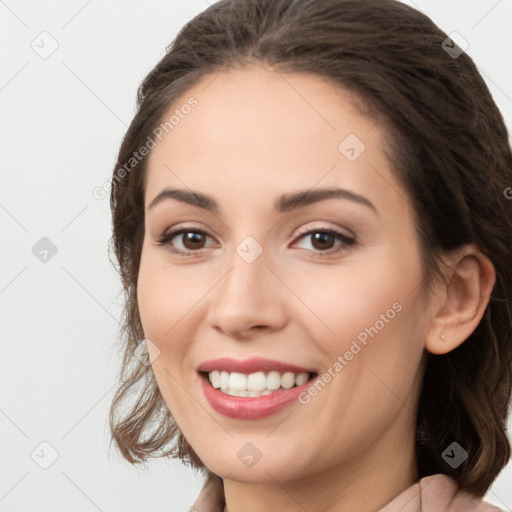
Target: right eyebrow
[{"x": 193, "y": 198}]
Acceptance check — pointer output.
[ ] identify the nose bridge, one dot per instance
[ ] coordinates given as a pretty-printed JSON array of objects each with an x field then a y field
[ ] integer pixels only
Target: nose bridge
[{"x": 247, "y": 295}]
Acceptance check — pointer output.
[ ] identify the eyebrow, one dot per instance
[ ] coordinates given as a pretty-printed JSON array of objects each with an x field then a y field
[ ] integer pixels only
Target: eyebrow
[{"x": 284, "y": 204}]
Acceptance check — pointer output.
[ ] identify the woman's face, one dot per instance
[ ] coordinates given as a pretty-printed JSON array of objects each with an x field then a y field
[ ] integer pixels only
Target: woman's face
[{"x": 262, "y": 276}]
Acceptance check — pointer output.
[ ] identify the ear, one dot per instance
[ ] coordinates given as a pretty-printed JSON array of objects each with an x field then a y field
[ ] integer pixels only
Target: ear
[{"x": 460, "y": 302}]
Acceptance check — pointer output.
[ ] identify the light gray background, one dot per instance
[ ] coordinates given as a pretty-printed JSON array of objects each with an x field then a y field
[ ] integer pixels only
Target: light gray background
[{"x": 61, "y": 123}]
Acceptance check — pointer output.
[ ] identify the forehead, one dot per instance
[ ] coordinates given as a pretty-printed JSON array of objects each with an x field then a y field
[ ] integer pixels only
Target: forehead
[{"x": 258, "y": 129}]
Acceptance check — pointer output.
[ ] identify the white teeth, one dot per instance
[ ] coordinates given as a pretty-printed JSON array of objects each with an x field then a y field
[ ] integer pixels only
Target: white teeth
[
  {"x": 273, "y": 380},
  {"x": 255, "y": 384},
  {"x": 224, "y": 380},
  {"x": 237, "y": 381},
  {"x": 256, "y": 381},
  {"x": 301, "y": 379},
  {"x": 259, "y": 393},
  {"x": 215, "y": 379},
  {"x": 288, "y": 380}
]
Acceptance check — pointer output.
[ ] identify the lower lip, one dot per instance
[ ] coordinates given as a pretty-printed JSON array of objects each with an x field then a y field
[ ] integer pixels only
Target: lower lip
[{"x": 250, "y": 408}]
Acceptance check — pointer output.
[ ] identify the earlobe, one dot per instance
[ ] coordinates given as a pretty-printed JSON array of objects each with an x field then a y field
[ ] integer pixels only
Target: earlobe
[{"x": 466, "y": 293}]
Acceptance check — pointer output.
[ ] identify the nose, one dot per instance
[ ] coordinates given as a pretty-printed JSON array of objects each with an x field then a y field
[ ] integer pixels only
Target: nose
[{"x": 248, "y": 301}]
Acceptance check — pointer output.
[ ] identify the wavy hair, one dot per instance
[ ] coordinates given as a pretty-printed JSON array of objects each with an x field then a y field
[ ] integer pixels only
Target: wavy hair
[{"x": 448, "y": 145}]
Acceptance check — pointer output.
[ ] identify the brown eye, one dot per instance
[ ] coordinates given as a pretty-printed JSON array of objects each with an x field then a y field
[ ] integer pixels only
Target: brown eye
[
  {"x": 322, "y": 240},
  {"x": 193, "y": 240},
  {"x": 184, "y": 241}
]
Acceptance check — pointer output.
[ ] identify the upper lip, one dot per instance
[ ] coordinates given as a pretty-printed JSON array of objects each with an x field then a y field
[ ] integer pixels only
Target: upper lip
[{"x": 253, "y": 365}]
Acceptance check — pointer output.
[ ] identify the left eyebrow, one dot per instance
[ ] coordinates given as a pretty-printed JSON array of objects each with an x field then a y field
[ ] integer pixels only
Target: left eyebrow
[
  {"x": 289, "y": 202},
  {"x": 285, "y": 203}
]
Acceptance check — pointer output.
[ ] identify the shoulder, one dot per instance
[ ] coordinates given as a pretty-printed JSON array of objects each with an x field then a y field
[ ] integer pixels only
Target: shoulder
[{"x": 438, "y": 493}]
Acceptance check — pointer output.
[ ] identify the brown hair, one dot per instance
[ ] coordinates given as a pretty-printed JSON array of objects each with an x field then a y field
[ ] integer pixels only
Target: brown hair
[{"x": 448, "y": 144}]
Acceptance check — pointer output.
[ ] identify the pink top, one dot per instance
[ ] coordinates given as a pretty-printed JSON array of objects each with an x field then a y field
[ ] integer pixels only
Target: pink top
[{"x": 436, "y": 493}]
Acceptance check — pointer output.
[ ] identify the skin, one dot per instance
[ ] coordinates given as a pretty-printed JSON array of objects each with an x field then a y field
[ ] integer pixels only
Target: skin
[{"x": 253, "y": 136}]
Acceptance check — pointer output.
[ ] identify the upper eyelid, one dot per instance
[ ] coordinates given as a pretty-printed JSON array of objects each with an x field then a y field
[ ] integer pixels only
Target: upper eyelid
[
  {"x": 304, "y": 230},
  {"x": 308, "y": 229},
  {"x": 299, "y": 231}
]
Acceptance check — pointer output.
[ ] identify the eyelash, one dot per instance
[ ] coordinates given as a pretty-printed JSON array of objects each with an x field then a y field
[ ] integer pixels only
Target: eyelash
[{"x": 346, "y": 240}]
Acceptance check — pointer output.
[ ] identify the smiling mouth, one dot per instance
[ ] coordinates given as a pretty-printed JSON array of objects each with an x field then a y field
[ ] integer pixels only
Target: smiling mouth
[{"x": 255, "y": 384}]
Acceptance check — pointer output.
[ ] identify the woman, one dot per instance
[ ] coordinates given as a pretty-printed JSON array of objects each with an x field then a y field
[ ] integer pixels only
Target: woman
[{"x": 313, "y": 233}]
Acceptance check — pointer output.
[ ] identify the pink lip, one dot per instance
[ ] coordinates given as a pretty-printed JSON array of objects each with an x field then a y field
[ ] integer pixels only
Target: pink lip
[
  {"x": 256, "y": 364},
  {"x": 250, "y": 408}
]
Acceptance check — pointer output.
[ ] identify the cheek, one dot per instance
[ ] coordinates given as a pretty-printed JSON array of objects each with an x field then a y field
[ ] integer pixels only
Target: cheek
[
  {"x": 347, "y": 302},
  {"x": 171, "y": 303},
  {"x": 372, "y": 317},
  {"x": 165, "y": 296},
  {"x": 164, "y": 302},
  {"x": 372, "y": 363}
]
